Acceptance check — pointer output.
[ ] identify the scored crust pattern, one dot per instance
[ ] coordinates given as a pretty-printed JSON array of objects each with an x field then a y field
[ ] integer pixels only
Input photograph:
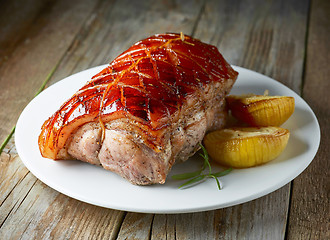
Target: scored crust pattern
[{"x": 148, "y": 83}]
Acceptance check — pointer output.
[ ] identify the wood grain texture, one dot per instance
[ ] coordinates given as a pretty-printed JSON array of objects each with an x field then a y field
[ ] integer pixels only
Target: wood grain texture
[
  {"x": 14, "y": 27},
  {"x": 136, "y": 226},
  {"x": 30, "y": 208},
  {"x": 263, "y": 218},
  {"x": 264, "y": 36},
  {"x": 47, "y": 214},
  {"x": 309, "y": 212},
  {"x": 45, "y": 41},
  {"x": 118, "y": 25}
]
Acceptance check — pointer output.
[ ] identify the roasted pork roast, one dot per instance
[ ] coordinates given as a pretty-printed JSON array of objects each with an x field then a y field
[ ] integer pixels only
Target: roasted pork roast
[{"x": 148, "y": 109}]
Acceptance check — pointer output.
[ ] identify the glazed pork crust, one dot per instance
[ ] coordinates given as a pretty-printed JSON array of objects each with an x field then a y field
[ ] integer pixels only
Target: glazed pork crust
[{"x": 149, "y": 108}]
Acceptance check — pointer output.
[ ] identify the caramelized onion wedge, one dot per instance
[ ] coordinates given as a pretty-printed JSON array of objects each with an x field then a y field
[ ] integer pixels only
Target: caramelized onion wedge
[
  {"x": 246, "y": 147},
  {"x": 260, "y": 110}
]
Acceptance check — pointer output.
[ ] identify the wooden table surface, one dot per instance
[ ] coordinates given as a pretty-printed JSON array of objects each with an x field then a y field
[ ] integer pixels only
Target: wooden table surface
[{"x": 41, "y": 42}]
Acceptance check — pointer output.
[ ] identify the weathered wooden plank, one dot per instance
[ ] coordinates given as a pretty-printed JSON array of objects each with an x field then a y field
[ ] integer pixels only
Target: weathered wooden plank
[
  {"x": 263, "y": 218},
  {"x": 113, "y": 29},
  {"x": 31, "y": 205},
  {"x": 14, "y": 188},
  {"x": 47, "y": 214},
  {"x": 163, "y": 227},
  {"x": 309, "y": 212},
  {"x": 229, "y": 223},
  {"x": 44, "y": 43},
  {"x": 195, "y": 225},
  {"x": 14, "y": 27},
  {"x": 264, "y": 36},
  {"x": 136, "y": 226}
]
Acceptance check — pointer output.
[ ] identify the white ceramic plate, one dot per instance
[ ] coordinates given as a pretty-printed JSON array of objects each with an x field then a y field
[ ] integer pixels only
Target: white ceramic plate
[{"x": 94, "y": 185}]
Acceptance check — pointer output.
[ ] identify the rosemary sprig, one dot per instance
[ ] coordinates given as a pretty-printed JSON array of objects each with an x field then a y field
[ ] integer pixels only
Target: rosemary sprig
[{"x": 199, "y": 176}]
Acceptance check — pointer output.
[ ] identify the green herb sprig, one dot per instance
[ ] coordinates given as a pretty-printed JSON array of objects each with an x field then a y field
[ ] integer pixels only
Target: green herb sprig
[{"x": 199, "y": 176}]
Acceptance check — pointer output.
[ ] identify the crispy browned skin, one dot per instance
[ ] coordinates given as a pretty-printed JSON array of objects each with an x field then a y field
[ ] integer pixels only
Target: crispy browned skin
[{"x": 148, "y": 85}]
